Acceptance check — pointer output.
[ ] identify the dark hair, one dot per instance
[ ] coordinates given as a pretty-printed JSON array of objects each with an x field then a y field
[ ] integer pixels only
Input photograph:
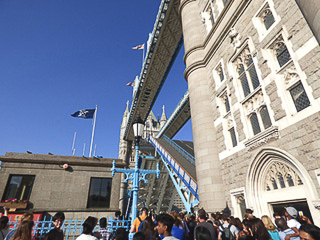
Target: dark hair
[
  {"x": 224, "y": 217},
  {"x": 3, "y": 222},
  {"x": 202, "y": 214},
  {"x": 138, "y": 236},
  {"x": 103, "y": 222},
  {"x": 213, "y": 215},
  {"x": 258, "y": 229},
  {"x": 202, "y": 233},
  {"x": 89, "y": 225},
  {"x": 237, "y": 223},
  {"x": 281, "y": 224},
  {"x": 148, "y": 228},
  {"x": 312, "y": 230},
  {"x": 166, "y": 220},
  {"x": 121, "y": 234},
  {"x": 145, "y": 210},
  {"x": 58, "y": 215},
  {"x": 248, "y": 210}
]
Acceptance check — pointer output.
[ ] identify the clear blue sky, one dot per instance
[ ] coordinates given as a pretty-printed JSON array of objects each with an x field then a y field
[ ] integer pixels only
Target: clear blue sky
[{"x": 58, "y": 56}]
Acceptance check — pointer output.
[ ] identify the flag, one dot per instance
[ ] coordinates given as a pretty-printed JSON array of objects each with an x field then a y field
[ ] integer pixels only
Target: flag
[
  {"x": 131, "y": 84},
  {"x": 139, "y": 47},
  {"x": 85, "y": 113}
]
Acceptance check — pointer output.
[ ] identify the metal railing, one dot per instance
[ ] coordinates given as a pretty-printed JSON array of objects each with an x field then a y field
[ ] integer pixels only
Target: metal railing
[
  {"x": 72, "y": 228},
  {"x": 183, "y": 152}
]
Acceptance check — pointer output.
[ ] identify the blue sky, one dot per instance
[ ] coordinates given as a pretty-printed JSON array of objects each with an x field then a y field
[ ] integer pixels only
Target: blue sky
[{"x": 57, "y": 57}]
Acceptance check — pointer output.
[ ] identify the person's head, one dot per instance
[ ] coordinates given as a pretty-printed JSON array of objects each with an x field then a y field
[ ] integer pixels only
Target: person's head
[
  {"x": 291, "y": 213},
  {"x": 268, "y": 223},
  {"x": 245, "y": 225},
  {"x": 177, "y": 219},
  {"x": 121, "y": 234},
  {"x": 58, "y": 219},
  {"x": 4, "y": 222},
  {"x": 213, "y": 216},
  {"x": 27, "y": 217},
  {"x": 250, "y": 211},
  {"x": 148, "y": 227},
  {"x": 138, "y": 236},
  {"x": 281, "y": 224},
  {"x": 236, "y": 222},
  {"x": 258, "y": 229},
  {"x": 309, "y": 232},
  {"x": 89, "y": 225},
  {"x": 144, "y": 211},
  {"x": 202, "y": 233},
  {"x": 224, "y": 218},
  {"x": 165, "y": 224},
  {"x": 23, "y": 231},
  {"x": 202, "y": 215},
  {"x": 103, "y": 222}
]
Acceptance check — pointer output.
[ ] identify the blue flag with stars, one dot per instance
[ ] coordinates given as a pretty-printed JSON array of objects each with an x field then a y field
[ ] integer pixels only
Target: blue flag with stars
[{"x": 85, "y": 113}]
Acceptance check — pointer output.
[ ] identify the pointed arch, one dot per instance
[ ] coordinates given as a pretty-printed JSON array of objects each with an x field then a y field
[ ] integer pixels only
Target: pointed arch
[{"x": 260, "y": 166}]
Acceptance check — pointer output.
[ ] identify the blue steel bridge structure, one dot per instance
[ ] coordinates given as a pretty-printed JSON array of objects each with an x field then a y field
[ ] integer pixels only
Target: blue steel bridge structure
[{"x": 162, "y": 49}]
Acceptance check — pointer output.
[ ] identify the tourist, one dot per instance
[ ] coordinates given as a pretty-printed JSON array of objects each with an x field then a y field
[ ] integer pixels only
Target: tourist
[
  {"x": 139, "y": 220},
  {"x": 270, "y": 227},
  {"x": 244, "y": 231},
  {"x": 24, "y": 231},
  {"x": 225, "y": 232},
  {"x": 56, "y": 233},
  {"x": 121, "y": 234},
  {"x": 309, "y": 232},
  {"x": 291, "y": 215},
  {"x": 202, "y": 217},
  {"x": 88, "y": 226},
  {"x": 25, "y": 217},
  {"x": 105, "y": 233},
  {"x": 165, "y": 224},
  {"x": 284, "y": 230},
  {"x": 177, "y": 229},
  {"x": 235, "y": 227},
  {"x": 4, "y": 227},
  {"x": 148, "y": 229},
  {"x": 258, "y": 230},
  {"x": 202, "y": 233}
]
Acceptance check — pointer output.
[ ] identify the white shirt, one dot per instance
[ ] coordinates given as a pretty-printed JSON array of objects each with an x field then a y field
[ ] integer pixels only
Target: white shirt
[
  {"x": 293, "y": 223},
  {"x": 170, "y": 238},
  {"x": 86, "y": 237}
]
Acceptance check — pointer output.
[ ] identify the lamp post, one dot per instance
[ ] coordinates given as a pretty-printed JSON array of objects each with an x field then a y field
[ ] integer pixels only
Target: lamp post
[{"x": 136, "y": 174}]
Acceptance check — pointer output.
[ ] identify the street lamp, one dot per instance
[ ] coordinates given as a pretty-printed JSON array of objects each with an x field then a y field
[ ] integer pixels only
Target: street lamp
[
  {"x": 136, "y": 174},
  {"x": 138, "y": 127}
]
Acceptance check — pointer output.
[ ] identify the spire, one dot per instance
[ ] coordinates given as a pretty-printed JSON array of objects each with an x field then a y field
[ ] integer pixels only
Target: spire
[
  {"x": 163, "y": 117},
  {"x": 125, "y": 114}
]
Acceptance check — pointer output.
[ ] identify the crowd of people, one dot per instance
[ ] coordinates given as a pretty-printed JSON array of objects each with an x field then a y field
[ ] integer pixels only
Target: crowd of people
[{"x": 286, "y": 225}]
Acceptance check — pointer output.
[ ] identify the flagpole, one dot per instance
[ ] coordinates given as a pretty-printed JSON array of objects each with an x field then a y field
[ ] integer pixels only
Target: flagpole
[
  {"x": 84, "y": 147},
  {"x": 143, "y": 54},
  {"x": 93, "y": 128},
  {"x": 74, "y": 140}
]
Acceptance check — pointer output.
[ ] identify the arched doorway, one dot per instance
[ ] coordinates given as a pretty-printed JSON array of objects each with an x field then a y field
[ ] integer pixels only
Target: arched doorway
[{"x": 275, "y": 179}]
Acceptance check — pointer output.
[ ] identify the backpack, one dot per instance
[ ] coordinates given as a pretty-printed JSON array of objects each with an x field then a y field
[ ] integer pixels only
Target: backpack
[
  {"x": 242, "y": 235},
  {"x": 226, "y": 233},
  {"x": 140, "y": 225}
]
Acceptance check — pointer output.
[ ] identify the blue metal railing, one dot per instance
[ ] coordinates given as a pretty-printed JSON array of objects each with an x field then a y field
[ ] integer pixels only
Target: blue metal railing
[
  {"x": 72, "y": 228},
  {"x": 183, "y": 152}
]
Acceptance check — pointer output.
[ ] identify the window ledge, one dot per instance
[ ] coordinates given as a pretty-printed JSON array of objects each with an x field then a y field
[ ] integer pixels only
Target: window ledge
[
  {"x": 284, "y": 67},
  {"x": 251, "y": 94},
  {"x": 262, "y": 138}
]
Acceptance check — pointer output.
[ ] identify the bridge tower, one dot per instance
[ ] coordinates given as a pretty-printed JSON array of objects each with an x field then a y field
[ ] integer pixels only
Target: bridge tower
[
  {"x": 125, "y": 151},
  {"x": 208, "y": 167}
]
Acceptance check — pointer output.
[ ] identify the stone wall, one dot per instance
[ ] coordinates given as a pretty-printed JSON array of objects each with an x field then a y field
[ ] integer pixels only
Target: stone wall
[{"x": 57, "y": 189}]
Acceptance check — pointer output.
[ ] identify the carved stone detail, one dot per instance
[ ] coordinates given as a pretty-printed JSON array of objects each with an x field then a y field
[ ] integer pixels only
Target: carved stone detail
[
  {"x": 262, "y": 138},
  {"x": 290, "y": 75},
  {"x": 254, "y": 103},
  {"x": 235, "y": 38}
]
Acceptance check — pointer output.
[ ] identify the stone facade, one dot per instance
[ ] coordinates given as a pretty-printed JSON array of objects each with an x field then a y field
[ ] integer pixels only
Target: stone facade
[
  {"x": 56, "y": 189},
  {"x": 267, "y": 52}
]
